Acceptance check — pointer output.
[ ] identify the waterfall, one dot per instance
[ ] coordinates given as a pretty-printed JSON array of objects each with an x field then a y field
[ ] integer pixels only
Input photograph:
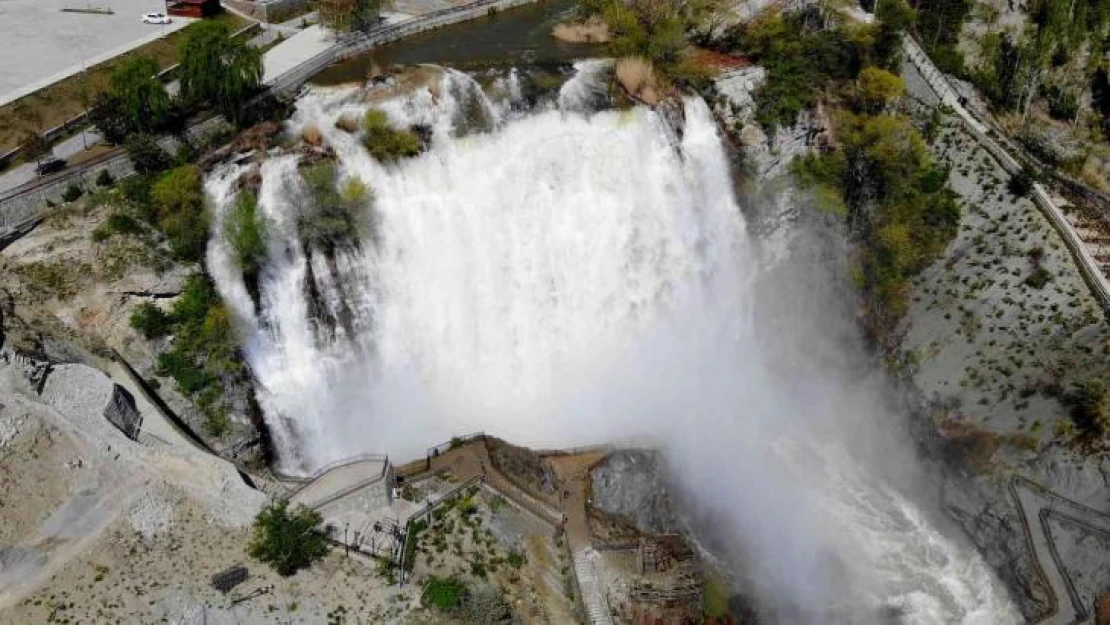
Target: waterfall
[{"x": 558, "y": 278}]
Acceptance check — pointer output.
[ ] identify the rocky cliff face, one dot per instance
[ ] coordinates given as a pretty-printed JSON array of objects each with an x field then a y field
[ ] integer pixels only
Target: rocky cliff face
[
  {"x": 629, "y": 484},
  {"x": 985, "y": 354},
  {"x": 69, "y": 299}
]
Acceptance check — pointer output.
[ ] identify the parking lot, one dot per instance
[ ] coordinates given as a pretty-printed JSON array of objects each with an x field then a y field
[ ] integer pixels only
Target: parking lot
[{"x": 43, "y": 44}]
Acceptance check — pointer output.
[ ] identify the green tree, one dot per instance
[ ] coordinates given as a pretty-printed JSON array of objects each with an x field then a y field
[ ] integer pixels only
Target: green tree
[
  {"x": 219, "y": 69},
  {"x": 245, "y": 231},
  {"x": 142, "y": 99},
  {"x": 107, "y": 114},
  {"x": 349, "y": 15},
  {"x": 35, "y": 146},
  {"x": 876, "y": 87},
  {"x": 287, "y": 539},
  {"x": 336, "y": 215},
  {"x": 179, "y": 211},
  {"x": 146, "y": 154}
]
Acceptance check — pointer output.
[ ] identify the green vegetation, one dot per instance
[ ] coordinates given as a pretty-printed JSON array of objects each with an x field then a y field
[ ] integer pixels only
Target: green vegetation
[
  {"x": 1089, "y": 407},
  {"x": 387, "y": 144},
  {"x": 1056, "y": 57},
  {"x": 414, "y": 532},
  {"x": 218, "y": 69},
  {"x": 72, "y": 192},
  {"x": 899, "y": 209},
  {"x": 203, "y": 356},
  {"x": 147, "y": 155},
  {"x": 151, "y": 321},
  {"x": 348, "y": 15},
  {"x": 443, "y": 593},
  {"x": 179, "y": 211},
  {"x": 287, "y": 539},
  {"x": 879, "y": 178},
  {"x": 245, "y": 231},
  {"x": 105, "y": 179},
  {"x": 141, "y": 96},
  {"x": 800, "y": 61},
  {"x": 336, "y": 216}
]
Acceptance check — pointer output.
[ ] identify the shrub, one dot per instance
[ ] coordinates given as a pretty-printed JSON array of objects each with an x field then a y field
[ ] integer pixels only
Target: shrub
[
  {"x": 1021, "y": 183},
  {"x": 105, "y": 179},
  {"x": 151, "y": 321},
  {"x": 1039, "y": 278},
  {"x": 387, "y": 144},
  {"x": 245, "y": 231},
  {"x": 335, "y": 216},
  {"x": 442, "y": 593},
  {"x": 179, "y": 212},
  {"x": 147, "y": 155},
  {"x": 1089, "y": 406},
  {"x": 72, "y": 192},
  {"x": 286, "y": 539}
]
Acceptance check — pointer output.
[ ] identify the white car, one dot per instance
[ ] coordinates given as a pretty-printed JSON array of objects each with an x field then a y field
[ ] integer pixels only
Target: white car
[{"x": 156, "y": 18}]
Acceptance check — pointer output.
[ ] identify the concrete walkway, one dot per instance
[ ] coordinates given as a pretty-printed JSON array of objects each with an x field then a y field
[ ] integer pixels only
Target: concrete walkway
[{"x": 574, "y": 473}]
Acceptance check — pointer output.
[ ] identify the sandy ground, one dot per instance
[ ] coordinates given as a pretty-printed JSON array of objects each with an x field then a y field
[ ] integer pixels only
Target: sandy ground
[{"x": 43, "y": 44}]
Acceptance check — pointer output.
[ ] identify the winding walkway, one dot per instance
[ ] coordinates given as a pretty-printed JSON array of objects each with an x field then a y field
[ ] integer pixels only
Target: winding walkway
[{"x": 1037, "y": 506}]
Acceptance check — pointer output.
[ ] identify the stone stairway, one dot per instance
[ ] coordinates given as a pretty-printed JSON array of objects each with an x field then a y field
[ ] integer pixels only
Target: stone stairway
[{"x": 593, "y": 595}]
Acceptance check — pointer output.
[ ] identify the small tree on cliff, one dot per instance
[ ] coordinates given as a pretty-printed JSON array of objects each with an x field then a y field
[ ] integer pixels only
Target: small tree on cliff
[{"x": 287, "y": 539}]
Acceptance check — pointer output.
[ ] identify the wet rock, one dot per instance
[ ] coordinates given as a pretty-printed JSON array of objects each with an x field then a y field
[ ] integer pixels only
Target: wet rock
[{"x": 630, "y": 485}]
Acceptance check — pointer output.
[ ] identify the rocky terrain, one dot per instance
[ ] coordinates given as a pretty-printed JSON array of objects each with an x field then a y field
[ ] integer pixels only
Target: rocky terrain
[
  {"x": 999, "y": 327},
  {"x": 67, "y": 296}
]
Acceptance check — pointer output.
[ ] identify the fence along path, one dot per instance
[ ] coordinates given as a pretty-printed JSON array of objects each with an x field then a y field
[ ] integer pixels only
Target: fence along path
[{"x": 1089, "y": 268}]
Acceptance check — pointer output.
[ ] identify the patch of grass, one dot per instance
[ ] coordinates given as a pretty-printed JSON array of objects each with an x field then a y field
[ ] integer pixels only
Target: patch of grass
[{"x": 442, "y": 593}]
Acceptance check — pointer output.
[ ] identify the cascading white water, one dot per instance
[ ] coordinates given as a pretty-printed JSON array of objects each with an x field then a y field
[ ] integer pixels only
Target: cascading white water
[{"x": 568, "y": 279}]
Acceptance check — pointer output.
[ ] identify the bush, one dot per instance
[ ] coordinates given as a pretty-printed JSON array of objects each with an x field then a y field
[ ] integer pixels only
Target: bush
[
  {"x": 151, "y": 321},
  {"x": 147, "y": 155},
  {"x": 287, "y": 539},
  {"x": 1021, "y": 183},
  {"x": 72, "y": 192},
  {"x": 245, "y": 231},
  {"x": 442, "y": 593},
  {"x": 385, "y": 143},
  {"x": 335, "y": 216},
  {"x": 1089, "y": 406},
  {"x": 117, "y": 223},
  {"x": 179, "y": 212},
  {"x": 105, "y": 179}
]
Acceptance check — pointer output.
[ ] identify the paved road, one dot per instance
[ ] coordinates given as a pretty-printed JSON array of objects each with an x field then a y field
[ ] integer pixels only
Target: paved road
[{"x": 64, "y": 150}]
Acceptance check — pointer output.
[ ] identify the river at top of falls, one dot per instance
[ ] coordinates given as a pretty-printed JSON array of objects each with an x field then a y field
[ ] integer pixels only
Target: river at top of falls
[{"x": 564, "y": 276}]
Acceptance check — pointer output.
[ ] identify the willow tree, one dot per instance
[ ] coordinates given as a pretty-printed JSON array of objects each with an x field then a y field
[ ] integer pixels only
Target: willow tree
[
  {"x": 349, "y": 15},
  {"x": 141, "y": 97},
  {"x": 219, "y": 69}
]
